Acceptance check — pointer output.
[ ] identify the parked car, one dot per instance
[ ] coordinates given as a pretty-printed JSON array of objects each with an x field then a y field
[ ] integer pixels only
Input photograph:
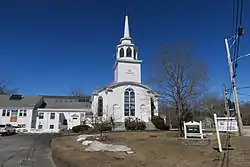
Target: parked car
[
  {"x": 7, "y": 129},
  {"x": 20, "y": 128}
]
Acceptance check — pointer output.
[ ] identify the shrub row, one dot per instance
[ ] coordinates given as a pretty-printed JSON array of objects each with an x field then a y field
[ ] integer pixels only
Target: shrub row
[
  {"x": 81, "y": 128},
  {"x": 97, "y": 127},
  {"x": 159, "y": 123},
  {"x": 130, "y": 124},
  {"x": 134, "y": 124}
]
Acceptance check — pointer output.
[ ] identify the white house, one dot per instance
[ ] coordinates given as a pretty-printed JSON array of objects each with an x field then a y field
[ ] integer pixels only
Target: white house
[
  {"x": 19, "y": 110},
  {"x": 126, "y": 96},
  {"x": 44, "y": 113},
  {"x": 62, "y": 112}
]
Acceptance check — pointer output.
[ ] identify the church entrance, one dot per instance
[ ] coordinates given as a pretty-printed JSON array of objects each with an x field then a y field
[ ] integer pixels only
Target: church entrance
[{"x": 116, "y": 113}]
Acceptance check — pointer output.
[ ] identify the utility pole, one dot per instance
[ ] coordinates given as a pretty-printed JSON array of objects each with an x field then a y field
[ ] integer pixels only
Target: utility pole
[
  {"x": 226, "y": 100},
  {"x": 236, "y": 102}
]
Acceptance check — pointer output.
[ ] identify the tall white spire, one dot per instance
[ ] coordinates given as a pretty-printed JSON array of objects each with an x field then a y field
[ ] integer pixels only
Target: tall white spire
[{"x": 126, "y": 28}]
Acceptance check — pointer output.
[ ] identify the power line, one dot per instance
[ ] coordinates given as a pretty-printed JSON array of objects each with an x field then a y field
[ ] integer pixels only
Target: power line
[
  {"x": 236, "y": 26},
  {"x": 239, "y": 32},
  {"x": 244, "y": 87},
  {"x": 233, "y": 17},
  {"x": 241, "y": 12},
  {"x": 243, "y": 94}
]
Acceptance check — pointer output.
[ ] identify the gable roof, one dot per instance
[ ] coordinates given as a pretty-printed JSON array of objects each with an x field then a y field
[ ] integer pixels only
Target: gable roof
[
  {"x": 117, "y": 84},
  {"x": 24, "y": 102},
  {"x": 67, "y": 102}
]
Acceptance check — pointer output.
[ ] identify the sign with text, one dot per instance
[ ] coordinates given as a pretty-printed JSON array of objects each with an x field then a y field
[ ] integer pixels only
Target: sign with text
[
  {"x": 227, "y": 124},
  {"x": 193, "y": 129}
]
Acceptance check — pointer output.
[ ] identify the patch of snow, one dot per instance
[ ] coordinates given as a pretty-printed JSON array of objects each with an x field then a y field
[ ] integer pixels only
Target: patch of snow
[
  {"x": 98, "y": 146},
  {"x": 130, "y": 152},
  {"x": 87, "y": 142},
  {"x": 85, "y": 135},
  {"x": 80, "y": 139}
]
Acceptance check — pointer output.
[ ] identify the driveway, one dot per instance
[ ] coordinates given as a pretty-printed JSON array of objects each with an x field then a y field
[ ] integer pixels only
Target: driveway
[{"x": 27, "y": 150}]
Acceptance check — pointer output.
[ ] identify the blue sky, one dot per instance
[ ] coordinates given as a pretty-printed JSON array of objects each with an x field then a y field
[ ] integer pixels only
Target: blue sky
[{"x": 51, "y": 47}]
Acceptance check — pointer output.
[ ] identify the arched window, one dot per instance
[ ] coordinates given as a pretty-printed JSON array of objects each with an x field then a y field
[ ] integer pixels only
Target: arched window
[
  {"x": 134, "y": 53},
  {"x": 100, "y": 107},
  {"x": 129, "y": 52},
  {"x": 121, "y": 52},
  {"x": 129, "y": 102}
]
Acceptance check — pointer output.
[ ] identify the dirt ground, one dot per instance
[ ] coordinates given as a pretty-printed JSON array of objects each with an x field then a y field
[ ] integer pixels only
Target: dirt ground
[{"x": 153, "y": 149}]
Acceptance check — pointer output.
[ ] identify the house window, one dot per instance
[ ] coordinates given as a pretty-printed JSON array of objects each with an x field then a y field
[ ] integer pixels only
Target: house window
[
  {"x": 129, "y": 102},
  {"x": 100, "y": 107},
  {"x": 40, "y": 126},
  {"x": 52, "y": 115},
  {"x": 129, "y": 52},
  {"x": 24, "y": 113},
  {"x": 8, "y": 113},
  {"x": 51, "y": 127},
  {"x": 20, "y": 113},
  {"x": 4, "y": 113},
  {"x": 121, "y": 52},
  {"x": 41, "y": 115}
]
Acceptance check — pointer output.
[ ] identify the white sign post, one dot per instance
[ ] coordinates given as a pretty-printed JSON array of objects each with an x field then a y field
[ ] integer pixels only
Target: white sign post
[
  {"x": 217, "y": 133},
  {"x": 224, "y": 124},
  {"x": 193, "y": 129}
]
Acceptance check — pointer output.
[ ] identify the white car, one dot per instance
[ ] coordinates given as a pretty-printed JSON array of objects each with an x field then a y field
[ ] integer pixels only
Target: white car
[
  {"x": 7, "y": 129},
  {"x": 21, "y": 130}
]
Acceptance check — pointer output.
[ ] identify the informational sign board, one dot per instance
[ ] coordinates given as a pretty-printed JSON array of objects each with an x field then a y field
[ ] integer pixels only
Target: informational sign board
[
  {"x": 193, "y": 129},
  {"x": 227, "y": 124},
  {"x": 224, "y": 124}
]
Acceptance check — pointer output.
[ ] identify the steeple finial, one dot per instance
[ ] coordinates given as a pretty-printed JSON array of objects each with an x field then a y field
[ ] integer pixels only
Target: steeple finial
[{"x": 126, "y": 27}]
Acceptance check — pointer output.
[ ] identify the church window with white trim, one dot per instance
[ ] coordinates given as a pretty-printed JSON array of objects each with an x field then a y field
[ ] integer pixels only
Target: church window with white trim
[{"x": 129, "y": 102}]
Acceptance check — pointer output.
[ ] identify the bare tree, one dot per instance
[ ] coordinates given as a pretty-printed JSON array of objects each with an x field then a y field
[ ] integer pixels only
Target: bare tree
[
  {"x": 169, "y": 114},
  {"x": 77, "y": 92},
  {"x": 180, "y": 79},
  {"x": 212, "y": 103},
  {"x": 245, "y": 108},
  {"x": 105, "y": 122},
  {"x": 4, "y": 88}
]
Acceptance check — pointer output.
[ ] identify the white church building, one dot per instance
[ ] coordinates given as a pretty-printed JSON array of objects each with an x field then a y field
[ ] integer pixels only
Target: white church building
[{"x": 126, "y": 96}]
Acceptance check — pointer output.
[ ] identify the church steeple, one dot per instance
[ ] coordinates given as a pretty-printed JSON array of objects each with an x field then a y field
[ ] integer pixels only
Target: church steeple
[
  {"x": 126, "y": 49},
  {"x": 127, "y": 67},
  {"x": 126, "y": 29}
]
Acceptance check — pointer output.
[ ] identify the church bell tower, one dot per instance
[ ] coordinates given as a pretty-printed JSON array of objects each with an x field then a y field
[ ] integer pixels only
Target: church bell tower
[{"x": 127, "y": 67}]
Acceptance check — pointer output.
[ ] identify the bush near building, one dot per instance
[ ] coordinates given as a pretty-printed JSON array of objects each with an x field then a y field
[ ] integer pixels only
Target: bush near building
[
  {"x": 81, "y": 128},
  {"x": 134, "y": 124},
  {"x": 159, "y": 123}
]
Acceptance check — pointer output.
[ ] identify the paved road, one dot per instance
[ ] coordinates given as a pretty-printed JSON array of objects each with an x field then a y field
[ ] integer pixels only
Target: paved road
[{"x": 28, "y": 150}]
